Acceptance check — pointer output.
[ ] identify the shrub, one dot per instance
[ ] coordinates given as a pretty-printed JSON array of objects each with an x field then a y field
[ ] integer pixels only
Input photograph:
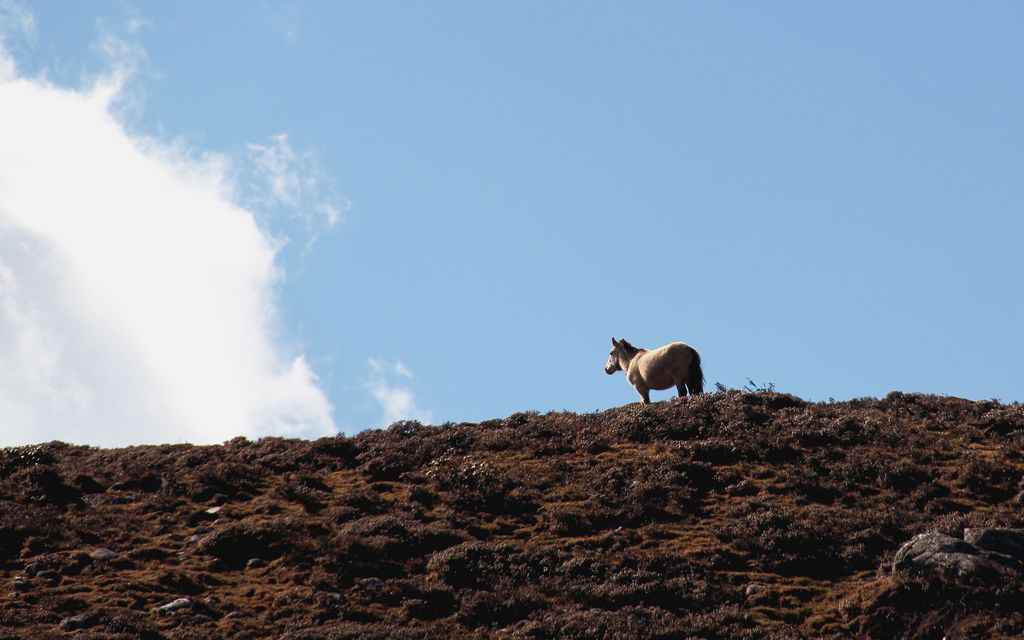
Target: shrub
[{"x": 237, "y": 542}]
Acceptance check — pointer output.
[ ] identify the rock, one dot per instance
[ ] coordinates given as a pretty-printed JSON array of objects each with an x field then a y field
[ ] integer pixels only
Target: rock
[
  {"x": 77, "y": 562},
  {"x": 754, "y": 588},
  {"x": 50, "y": 577},
  {"x": 201, "y": 516},
  {"x": 255, "y": 563},
  {"x": 102, "y": 554},
  {"x": 148, "y": 484},
  {"x": 175, "y": 605},
  {"x": 1008, "y": 542},
  {"x": 35, "y": 567},
  {"x": 939, "y": 553},
  {"x": 373, "y": 585},
  {"x": 414, "y": 607},
  {"x": 943, "y": 556},
  {"x": 75, "y": 622},
  {"x": 332, "y": 604},
  {"x": 79, "y": 557},
  {"x": 21, "y": 583}
]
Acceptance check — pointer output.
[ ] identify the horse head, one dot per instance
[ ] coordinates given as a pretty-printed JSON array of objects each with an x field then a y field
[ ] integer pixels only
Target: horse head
[{"x": 618, "y": 347}]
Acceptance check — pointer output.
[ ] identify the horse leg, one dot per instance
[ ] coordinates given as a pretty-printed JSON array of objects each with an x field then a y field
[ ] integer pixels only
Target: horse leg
[
  {"x": 644, "y": 392},
  {"x": 681, "y": 388}
]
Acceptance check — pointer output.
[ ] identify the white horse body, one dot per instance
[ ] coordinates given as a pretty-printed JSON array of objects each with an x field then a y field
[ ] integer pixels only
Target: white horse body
[{"x": 676, "y": 364}]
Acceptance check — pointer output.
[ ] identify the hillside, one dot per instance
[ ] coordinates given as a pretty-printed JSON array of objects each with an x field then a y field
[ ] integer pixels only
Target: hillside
[{"x": 741, "y": 515}]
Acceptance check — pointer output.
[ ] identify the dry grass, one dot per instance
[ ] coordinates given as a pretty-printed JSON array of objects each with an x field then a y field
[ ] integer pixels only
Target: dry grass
[{"x": 635, "y": 522}]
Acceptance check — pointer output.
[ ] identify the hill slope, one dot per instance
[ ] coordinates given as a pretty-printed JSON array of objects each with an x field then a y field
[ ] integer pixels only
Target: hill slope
[{"x": 744, "y": 515}]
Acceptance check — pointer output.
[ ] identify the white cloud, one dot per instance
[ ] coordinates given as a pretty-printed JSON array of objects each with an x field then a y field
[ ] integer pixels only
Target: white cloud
[
  {"x": 396, "y": 400},
  {"x": 137, "y": 298}
]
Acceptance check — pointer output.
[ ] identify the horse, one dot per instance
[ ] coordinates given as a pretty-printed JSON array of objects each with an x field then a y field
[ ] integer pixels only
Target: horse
[{"x": 674, "y": 364}]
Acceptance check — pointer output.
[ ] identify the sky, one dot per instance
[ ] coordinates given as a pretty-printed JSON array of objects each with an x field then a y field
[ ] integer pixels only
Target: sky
[{"x": 306, "y": 218}]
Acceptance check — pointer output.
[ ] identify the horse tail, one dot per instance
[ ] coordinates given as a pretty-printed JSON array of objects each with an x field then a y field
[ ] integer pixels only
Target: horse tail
[{"x": 695, "y": 376}]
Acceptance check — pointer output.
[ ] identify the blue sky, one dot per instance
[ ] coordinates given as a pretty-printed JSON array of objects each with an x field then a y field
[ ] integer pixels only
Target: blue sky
[{"x": 823, "y": 196}]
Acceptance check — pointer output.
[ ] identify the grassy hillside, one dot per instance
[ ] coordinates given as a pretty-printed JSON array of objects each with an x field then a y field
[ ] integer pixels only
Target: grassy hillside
[{"x": 742, "y": 515}]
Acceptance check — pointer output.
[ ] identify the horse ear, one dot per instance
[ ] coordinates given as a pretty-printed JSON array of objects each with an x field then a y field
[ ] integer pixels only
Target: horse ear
[{"x": 614, "y": 343}]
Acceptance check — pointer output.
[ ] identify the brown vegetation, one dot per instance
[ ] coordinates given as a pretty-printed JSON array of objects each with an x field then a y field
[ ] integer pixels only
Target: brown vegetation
[{"x": 742, "y": 515}]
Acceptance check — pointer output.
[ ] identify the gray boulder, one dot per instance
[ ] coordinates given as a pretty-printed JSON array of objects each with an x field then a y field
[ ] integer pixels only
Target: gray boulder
[
  {"x": 1009, "y": 542},
  {"x": 50, "y": 577},
  {"x": 175, "y": 606},
  {"x": 979, "y": 559},
  {"x": 72, "y": 623},
  {"x": 103, "y": 554},
  {"x": 34, "y": 568},
  {"x": 255, "y": 563}
]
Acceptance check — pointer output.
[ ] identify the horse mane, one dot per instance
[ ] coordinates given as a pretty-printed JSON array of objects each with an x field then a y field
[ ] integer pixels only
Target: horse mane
[{"x": 627, "y": 346}]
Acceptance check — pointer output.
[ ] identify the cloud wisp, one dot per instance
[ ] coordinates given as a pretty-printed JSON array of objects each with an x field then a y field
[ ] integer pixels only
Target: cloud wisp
[
  {"x": 16, "y": 24},
  {"x": 281, "y": 178},
  {"x": 137, "y": 296},
  {"x": 389, "y": 386}
]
